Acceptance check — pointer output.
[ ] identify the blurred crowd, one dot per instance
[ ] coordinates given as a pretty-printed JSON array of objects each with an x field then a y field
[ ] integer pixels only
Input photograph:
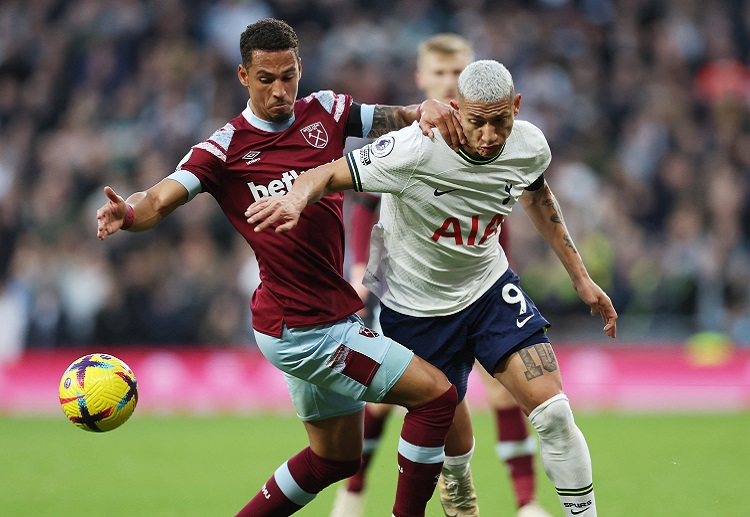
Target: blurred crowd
[{"x": 645, "y": 104}]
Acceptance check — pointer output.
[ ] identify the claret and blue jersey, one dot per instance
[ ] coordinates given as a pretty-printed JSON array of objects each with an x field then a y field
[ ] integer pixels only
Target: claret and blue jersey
[{"x": 250, "y": 158}]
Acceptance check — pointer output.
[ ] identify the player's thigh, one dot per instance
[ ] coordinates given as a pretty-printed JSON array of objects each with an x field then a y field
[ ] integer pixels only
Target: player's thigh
[
  {"x": 531, "y": 375},
  {"x": 344, "y": 357},
  {"x": 420, "y": 383},
  {"x": 441, "y": 341},
  {"x": 498, "y": 397},
  {"x": 315, "y": 403},
  {"x": 338, "y": 438}
]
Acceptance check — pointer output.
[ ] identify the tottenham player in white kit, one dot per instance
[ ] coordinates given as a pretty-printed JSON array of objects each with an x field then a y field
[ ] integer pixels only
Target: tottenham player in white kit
[{"x": 439, "y": 273}]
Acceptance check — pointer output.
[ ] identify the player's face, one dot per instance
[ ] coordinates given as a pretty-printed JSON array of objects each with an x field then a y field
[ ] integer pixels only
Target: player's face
[
  {"x": 487, "y": 126},
  {"x": 437, "y": 75},
  {"x": 272, "y": 79}
]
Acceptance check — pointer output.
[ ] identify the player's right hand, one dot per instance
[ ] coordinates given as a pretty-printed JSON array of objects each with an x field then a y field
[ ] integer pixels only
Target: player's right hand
[
  {"x": 445, "y": 119},
  {"x": 269, "y": 210},
  {"x": 109, "y": 217},
  {"x": 599, "y": 303}
]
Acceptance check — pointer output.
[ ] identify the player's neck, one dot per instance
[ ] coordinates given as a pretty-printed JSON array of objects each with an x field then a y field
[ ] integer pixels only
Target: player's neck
[
  {"x": 476, "y": 158},
  {"x": 264, "y": 125}
]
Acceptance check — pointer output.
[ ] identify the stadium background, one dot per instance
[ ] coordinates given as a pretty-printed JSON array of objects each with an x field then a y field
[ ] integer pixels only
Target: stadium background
[
  {"x": 644, "y": 103},
  {"x": 645, "y": 106}
]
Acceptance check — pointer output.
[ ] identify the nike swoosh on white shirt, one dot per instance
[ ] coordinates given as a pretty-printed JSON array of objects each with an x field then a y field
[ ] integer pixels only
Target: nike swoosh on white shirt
[
  {"x": 441, "y": 192},
  {"x": 521, "y": 323}
]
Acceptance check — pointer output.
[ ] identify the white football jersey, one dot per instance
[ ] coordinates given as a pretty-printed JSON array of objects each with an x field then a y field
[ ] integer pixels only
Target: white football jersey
[{"x": 435, "y": 249}]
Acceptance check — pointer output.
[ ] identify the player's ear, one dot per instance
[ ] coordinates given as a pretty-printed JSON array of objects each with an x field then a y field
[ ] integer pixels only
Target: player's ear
[
  {"x": 517, "y": 104},
  {"x": 242, "y": 75},
  {"x": 299, "y": 67}
]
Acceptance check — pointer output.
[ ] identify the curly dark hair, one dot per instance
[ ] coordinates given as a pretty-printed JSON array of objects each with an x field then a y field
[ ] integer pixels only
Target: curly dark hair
[{"x": 268, "y": 34}]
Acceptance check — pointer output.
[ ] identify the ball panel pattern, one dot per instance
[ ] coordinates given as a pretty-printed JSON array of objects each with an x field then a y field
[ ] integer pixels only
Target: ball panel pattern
[{"x": 98, "y": 392}]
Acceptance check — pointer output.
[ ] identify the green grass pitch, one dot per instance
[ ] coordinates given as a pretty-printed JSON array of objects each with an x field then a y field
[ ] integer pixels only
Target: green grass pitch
[{"x": 646, "y": 466}]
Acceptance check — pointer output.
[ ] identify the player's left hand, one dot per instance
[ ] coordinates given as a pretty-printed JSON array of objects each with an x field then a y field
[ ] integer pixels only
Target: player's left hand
[
  {"x": 110, "y": 217},
  {"x": 601, "y": 304},
  {"x": 269, "y": 210},
  {"x": 445, "y": 119}
]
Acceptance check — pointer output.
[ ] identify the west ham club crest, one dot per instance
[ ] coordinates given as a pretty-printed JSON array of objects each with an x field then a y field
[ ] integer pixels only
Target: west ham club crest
[{"x": 315, "y": 134}]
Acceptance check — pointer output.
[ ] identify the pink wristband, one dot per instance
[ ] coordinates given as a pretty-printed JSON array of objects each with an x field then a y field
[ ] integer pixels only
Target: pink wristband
[{"x": 129, "y": 217}]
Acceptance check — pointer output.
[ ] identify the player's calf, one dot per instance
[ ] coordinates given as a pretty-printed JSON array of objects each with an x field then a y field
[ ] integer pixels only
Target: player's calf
[
  {"x": 296, "y": 483},
  {"x": 565, "y": 456},
  {"x": 421, "y": 452}
]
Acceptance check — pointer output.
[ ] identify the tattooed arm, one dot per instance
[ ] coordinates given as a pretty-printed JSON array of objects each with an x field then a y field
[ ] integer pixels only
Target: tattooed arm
[
  {"x": 431, "y": 114},
  {"x": 542, "y": 208},
  {"x": 390, "y": 118}
]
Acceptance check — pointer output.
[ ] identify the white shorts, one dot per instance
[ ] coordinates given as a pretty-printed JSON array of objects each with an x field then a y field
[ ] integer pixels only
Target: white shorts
[{"x": 331, "y": 370}]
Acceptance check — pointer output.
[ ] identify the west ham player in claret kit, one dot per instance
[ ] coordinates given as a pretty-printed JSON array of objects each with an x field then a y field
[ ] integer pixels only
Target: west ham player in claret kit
[{"x": 304, "y": 311}]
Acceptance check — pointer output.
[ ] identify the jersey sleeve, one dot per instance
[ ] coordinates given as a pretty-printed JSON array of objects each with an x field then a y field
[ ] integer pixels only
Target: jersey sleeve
[
  {"x": 203, "y": 165},
  {"x": 204, "y": 161},
  {"x": 387, "y": 164},
  {"x": 541, "y": 152}
]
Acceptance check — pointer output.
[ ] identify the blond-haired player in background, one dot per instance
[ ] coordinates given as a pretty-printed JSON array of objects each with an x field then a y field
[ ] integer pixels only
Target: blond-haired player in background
[{"x": 440, "y": 61}]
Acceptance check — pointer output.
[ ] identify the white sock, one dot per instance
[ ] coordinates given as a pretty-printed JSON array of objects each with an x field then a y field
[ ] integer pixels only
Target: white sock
[
  {"x": 458, "y": 466},
  {"x": 565, "y": 456}
]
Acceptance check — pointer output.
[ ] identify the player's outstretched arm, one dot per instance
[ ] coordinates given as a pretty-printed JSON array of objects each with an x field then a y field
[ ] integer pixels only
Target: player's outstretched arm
[
  {"x": 141, "y": 211},
  {"x": 542, "y": 208},
  {"x": 431, "y": 114},
  {"x": 308, "y": 188}
]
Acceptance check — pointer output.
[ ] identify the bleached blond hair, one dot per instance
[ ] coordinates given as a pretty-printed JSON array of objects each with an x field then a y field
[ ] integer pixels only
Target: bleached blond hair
[{"x": 485, "y": 81}]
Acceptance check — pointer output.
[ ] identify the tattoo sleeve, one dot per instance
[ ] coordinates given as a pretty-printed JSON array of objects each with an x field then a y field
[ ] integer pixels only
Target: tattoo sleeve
[
  {"x": 556, "y": 217},
  {"x": 384, "y": 120}
]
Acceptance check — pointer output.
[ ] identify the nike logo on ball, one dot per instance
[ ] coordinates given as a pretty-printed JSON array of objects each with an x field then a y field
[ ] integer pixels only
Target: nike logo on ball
[{"x": 441, "y": 192}]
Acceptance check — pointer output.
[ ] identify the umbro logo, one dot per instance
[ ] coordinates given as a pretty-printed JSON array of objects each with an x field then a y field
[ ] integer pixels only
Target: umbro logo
[
  {"x": 441, "y": 192},
  {"x": 252, "y": 157}
]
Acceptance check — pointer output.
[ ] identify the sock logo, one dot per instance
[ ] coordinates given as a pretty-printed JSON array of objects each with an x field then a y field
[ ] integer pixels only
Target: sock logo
[
  {"x": 268, "y": 495},
  {"x": 578, "y": 508}
]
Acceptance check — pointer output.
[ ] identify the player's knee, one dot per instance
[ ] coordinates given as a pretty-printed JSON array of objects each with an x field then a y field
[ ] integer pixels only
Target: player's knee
[
  {"x": 427, "y": 424},
  {"x": 444, "y": 406},
  {"x": 440, "y": 408},
  {"x": 331, "y": 471},
  {"x": 348, "y": 469},
  {"x": 440, "y": 383},
  {"x": 553, "y": 418}
]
